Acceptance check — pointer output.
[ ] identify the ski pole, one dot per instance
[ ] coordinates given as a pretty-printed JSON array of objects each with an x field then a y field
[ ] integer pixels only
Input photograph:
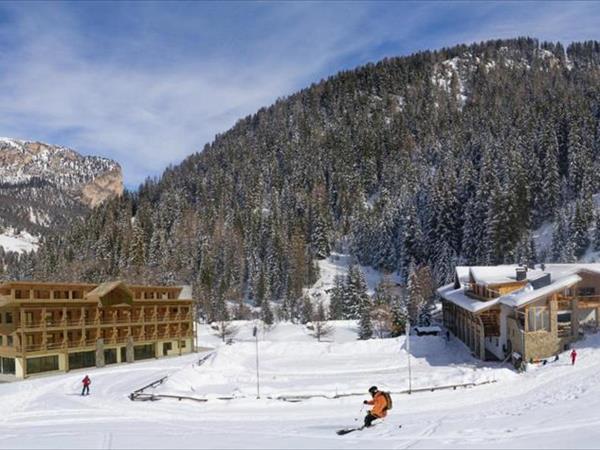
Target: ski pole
[{"x": 360, "y": 412}]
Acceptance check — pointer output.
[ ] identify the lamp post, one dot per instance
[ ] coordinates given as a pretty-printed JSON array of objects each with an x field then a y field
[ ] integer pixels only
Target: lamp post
[
  {"x": 408, "y": 353},
  {"x": 255, "y": 334}
]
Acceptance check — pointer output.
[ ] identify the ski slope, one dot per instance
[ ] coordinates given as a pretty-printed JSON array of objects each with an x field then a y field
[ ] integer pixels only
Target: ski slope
[{"x": 553, "y": 406}]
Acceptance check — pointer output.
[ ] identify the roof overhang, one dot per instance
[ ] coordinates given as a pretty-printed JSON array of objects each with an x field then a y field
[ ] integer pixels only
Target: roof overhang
[{"x": 111, "y": 294}]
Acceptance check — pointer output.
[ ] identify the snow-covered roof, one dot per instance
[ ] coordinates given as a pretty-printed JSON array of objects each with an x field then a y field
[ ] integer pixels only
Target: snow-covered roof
[
  {"x": 459, "y": 298},
  {"x": 186, "y": 292},
  {"x": 526, "y": 295},
  {"x": 562, "y": 270},
  {"x": 498, "y": 274},
  {"x": 560, "y": 277}
]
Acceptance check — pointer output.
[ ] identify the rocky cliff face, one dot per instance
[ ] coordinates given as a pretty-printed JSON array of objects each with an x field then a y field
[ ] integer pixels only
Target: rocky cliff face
[{"x": 45, "y": 186}]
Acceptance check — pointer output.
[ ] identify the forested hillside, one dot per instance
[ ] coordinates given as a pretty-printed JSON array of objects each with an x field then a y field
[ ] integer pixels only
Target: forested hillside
[
  {"x": 45, "y": 188},
  {"x": 439, "y": 157}
]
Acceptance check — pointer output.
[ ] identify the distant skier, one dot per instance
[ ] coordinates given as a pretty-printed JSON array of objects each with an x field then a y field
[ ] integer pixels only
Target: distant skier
[
  {"x": 573, "y": 357},
  {"x": 86, "y": 385},
  {"x": 381, "y": 404}
]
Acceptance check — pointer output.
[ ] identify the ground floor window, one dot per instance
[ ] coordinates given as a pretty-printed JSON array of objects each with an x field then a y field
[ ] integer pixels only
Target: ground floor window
[
  {"x": 182, "y": 344},
  {"x": 144, "y": 352},
  {"x": 110, "y": 356},
  {"x": 539, "y": 319},
  {"x": 80, "y": 360},
  {"x": 42, "y": 364},
  {"x": 563, "y": 316},
  {"x": 167, "y": 347},
  {"x": 7, "y": 366}
]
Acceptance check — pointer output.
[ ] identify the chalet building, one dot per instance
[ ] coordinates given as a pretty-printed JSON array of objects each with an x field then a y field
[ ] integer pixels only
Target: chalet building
[
  {"x": 536, "y": 313},
  {"x": 47, "y": 327}
]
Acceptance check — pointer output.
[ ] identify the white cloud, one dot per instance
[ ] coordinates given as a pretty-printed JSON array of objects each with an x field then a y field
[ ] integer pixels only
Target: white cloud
[
  {"x": 150, "y": 86},
  {"x": 149, "y": 115}
]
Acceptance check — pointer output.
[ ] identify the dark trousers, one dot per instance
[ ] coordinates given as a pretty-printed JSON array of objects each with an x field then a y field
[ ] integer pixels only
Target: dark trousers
[
  {"x": 85, "y": 390},
  {"x": 369, "y": 418}
]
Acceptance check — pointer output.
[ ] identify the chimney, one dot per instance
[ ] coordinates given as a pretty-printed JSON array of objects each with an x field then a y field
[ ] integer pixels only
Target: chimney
[{"x": 521, "y": 273}]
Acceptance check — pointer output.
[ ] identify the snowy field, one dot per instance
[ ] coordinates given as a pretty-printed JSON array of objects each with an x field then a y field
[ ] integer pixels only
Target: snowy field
[
  {"x": 552, "y": 406},
  {"x": 21, "y": 242}
]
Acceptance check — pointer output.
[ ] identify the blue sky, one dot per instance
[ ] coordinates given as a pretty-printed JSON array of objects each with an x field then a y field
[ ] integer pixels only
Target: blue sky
[{"x": 149, "y": 83}]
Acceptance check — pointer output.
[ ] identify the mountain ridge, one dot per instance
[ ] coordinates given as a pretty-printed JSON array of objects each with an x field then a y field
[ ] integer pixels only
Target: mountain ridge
[
  {"x": 407, "y": 161},
  {"x": 44, "y": 188}
]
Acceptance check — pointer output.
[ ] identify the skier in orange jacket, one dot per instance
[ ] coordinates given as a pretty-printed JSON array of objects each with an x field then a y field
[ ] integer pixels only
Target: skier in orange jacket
[{"x": 380, "y": 406}]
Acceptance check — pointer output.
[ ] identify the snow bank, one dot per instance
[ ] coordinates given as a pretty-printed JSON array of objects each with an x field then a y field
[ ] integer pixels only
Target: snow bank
[{"x": 293, "y": 363}]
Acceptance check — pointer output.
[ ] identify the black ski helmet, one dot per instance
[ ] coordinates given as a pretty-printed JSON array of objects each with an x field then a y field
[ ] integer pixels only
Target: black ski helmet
[{"x": 372, "y": 390}]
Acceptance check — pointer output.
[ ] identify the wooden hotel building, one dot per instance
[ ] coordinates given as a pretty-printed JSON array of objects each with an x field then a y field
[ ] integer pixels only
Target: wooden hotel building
[{"x": 47, "y": 327}]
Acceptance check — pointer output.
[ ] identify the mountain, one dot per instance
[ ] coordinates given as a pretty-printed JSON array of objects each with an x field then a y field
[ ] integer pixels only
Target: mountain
[
  {"x": 425, "y": 160},
  {"x": 45, "y": 187}
]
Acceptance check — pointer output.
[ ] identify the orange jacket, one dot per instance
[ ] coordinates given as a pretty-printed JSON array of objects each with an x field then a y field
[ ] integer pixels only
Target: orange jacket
[{"x": 379, "y": 405}]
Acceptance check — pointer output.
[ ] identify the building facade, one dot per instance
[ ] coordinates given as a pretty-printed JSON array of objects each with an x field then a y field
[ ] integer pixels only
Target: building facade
[
  {"x": 503, "y": 311},
  {"x": 47, "y": 327}
]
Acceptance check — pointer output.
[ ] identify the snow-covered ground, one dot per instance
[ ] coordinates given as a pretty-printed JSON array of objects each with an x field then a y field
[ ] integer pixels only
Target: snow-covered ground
[
  {"x": 21, "y": 242},
  {"x": 345, "y": 365},
  {"x": 556, "y": 405}
]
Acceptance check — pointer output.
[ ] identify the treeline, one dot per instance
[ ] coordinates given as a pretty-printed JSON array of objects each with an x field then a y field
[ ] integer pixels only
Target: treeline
[{"x": 439, "y": 158}]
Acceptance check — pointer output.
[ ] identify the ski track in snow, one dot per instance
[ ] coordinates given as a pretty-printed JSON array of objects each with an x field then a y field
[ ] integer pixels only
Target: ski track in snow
[{"x": 553, "y": 406}]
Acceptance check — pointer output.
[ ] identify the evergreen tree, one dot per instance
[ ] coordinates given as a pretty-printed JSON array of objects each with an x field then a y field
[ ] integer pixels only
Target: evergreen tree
[
  {"x": 365, "y": 327},
  {"x": 266, "y": 313},
  {"x": 337, "y": 307},
  {"x": 307, "y": 311}
]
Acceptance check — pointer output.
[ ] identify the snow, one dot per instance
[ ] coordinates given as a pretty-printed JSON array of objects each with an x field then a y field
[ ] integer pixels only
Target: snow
[
  {"x": 500, "y": 274},
  {"x": 562, "y": 276},
  {"x": 551, "y": 406},
  {"x": 338, "y": 264},
  {"x": 344, "y": 367},
  {"x": 20, "y": 243},
  {"x": 524, "y": 296},
  {"x": 459, "y": 298}
]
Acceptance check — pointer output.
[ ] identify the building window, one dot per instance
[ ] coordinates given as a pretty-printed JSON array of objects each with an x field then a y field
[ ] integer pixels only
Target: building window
[
  {"x": 8, "y": 318},
  {"x": 9, "y": 341},
  {"x": 539, "y": 319},
  {"x": 42, "y": 364},
  {"x": 1, "y": 341},
  {"x": 586, "y": 291}
]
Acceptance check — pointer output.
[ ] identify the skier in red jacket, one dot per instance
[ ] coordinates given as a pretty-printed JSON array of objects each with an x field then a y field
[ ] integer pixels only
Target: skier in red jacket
[
  {"x": 86, "y": 385},
  {"x": 573, "y": 357}
]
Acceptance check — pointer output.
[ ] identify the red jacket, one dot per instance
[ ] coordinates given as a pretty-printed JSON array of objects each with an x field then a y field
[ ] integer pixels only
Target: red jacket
[
  {"x": 86, "y": 381},
  {"x": 573, "y": 354}
]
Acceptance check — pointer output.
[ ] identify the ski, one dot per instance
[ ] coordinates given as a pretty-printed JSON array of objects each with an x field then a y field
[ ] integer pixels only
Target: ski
[
  {"x": 344, "y": 431},
  {"x": 347, "y": 430}
]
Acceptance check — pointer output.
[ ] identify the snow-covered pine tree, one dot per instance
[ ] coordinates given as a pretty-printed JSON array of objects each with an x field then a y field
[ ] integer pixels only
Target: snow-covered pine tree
[
  {"x": 266, "y": 313},
  {"x": 356, "y": 292},
  {"x": 337, "y": 307},
  {"x": 399, "y": 316},
  {"x": 579, "y": 229},
  {"x": 560, "y": 235},
  {"x": 306, "y": 310},
  {"x": 365, "y": 327},
  {"x": 597, "y": 232},
  {"x": 414, "y": 291}
]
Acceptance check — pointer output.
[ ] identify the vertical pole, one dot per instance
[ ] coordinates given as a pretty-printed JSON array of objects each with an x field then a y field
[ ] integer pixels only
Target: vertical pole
[
  {"x": 255, "y": 333},
  {"x": 408, "y": 353}
]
